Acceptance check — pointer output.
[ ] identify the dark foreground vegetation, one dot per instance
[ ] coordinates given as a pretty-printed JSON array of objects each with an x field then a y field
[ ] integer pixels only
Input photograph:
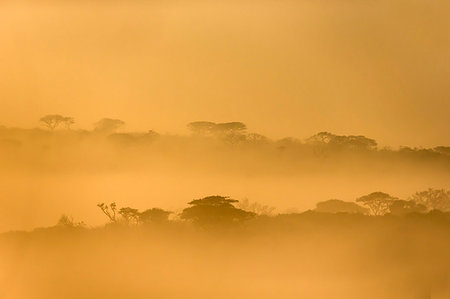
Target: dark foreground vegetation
[
  {"x": 307, "y": 255},
  {"x": 220, "y": 248}
]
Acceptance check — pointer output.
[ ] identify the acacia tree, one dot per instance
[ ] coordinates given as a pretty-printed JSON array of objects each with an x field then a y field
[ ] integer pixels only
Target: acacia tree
[
  {"x": 379, "y": 203},
  {"x": 230, "y": 128},
  {"x": 215, "y": 210},
  {"x": 52, "y": 121},
  {"x": 337, "y": 142}
]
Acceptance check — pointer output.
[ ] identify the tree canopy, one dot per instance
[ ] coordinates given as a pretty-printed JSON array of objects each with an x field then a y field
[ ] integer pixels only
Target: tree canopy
[
  {"x": 212, "y": 210},
  {"x": 433, "y": 199},
  {"x": 342, "y": 142},
  {"x": 52, "y": 121},
  {"x": 378, "y": 202},
  {"x": 108, "y": 125}
]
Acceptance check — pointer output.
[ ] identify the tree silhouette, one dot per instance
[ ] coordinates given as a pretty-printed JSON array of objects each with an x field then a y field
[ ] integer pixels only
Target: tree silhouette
[
  {"x": 378, "y": 202},
  {"x": 154, "y": 215},
  {"x": 342, "y": 142},
  {"x": 231, "y": 127},
  {"x": 433, "y": 199},
  {"x": 219, "y": 129},
  {"x": 68, "y": 222},
  {"x": 214, "y": 210},
  {"x": 129, "y": 215},
  {"x": 52, "y": 121},
  {"x": 108, "y": 125},
  {"x": 109, "y": 210},
  {"x": 68, "y": 122}
]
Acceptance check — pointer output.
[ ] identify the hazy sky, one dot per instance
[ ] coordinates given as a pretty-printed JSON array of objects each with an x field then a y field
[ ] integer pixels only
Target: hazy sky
[{"x": 377, "y": 68}]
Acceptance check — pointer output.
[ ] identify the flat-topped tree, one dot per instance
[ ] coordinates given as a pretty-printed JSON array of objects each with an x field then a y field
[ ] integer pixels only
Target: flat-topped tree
[
  {"x": 342, "y": 142},
  {"x": 379, "y": 203},
  {"x": 215, "y": 200},
  {"x": 52, "y": 121},
  {"x": 231, "y": 127},
  {"x": 214, "y": 210}
]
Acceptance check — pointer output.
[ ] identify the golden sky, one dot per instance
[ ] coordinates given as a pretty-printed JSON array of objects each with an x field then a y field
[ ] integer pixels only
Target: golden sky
[{"x": 286, "y": 68}]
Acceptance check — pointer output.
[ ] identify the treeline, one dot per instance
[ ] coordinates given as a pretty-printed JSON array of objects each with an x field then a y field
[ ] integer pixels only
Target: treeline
[
  {"x": 322, "y": 144},
  {"x": 222, "y": 211}
]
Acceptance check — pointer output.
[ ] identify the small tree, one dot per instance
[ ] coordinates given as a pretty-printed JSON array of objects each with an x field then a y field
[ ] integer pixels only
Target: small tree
[
  {"x": 129, "y": 215},
  {"x": 52, "y": 121},
  {"x": 68, "y": 222},
  {"x": 109, "y": 210},
  {"x": 68, "y": 122},
  {"x": 378, "y": 202}
]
